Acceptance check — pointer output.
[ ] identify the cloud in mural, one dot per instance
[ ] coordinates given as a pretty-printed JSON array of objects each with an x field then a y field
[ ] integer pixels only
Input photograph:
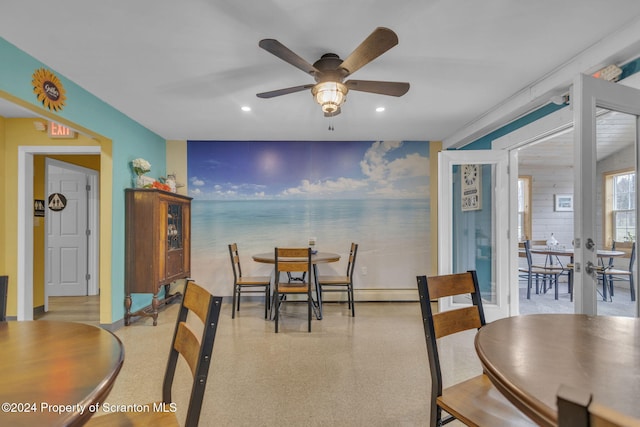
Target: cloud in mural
[
  {"x": 195, "y": 181},
  {"x": 290, "y": 170}
]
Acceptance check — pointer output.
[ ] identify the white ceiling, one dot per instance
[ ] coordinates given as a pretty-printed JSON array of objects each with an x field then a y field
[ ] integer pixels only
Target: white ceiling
[{"x": 185, "y": 68}]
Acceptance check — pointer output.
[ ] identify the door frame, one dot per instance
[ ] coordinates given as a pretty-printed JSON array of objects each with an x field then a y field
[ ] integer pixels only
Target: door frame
[
  {"x": 25, "y": 219},
  {"x": 506, "y": 303},
  {"x": 93, "y": 224}
]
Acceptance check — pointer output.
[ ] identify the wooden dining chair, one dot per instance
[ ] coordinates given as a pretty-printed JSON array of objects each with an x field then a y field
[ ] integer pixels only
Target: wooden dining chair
[
  {"x": 247, "y": 284},
  {"x": 576, "y": 408},
  {"x": 342, "y": 283},
  {"x": 612, "y": 274},
  {"x": 474, "y": 402},
  {"x": 292, "y": 260},
  {"x": 539, "y": 273},
  {"x": 196, "y": 351}
]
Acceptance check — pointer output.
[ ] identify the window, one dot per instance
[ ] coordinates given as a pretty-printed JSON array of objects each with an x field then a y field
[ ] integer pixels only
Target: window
[
  {"x": 620, "y": 209},
  {"x": 524, "y": 208}
]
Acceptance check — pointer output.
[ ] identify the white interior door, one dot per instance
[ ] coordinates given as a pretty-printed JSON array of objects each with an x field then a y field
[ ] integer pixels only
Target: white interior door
[
  {"x": 473, "y": 218},
  {"x": 67, "y": 239},
  {"x": 589, "y": 95}
]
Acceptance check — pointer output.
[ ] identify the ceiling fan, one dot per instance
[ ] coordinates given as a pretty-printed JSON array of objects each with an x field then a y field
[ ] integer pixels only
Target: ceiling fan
[{"x": 329, "y": 72}]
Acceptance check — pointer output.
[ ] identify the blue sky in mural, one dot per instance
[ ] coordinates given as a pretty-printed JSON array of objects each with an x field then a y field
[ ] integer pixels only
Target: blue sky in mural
[{"x": 247, "y": 170}]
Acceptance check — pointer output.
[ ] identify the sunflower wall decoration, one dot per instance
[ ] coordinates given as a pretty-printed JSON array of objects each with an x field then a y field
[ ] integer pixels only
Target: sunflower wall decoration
[{"x": 48, "y": 88}]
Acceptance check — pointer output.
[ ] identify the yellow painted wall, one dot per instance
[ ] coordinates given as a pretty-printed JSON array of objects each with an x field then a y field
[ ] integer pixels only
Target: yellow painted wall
[
  {"x": 21, "y": 132},
  {"x": 177, "y": 163}
]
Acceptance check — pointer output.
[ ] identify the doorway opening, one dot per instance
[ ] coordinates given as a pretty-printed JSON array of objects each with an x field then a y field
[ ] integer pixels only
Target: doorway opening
[{"x": 25, "y": 300}]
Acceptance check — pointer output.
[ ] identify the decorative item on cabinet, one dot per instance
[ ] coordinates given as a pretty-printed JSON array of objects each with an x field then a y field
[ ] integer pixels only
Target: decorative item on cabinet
[{"x": 157, "y": 246}]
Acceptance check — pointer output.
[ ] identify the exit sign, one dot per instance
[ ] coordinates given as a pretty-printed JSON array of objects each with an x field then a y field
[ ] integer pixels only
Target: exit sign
[{"x": 56, "y": 130}]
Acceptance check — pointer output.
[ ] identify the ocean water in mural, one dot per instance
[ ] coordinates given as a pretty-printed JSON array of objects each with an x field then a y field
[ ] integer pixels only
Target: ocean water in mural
[{"x": 266, "y": 194}]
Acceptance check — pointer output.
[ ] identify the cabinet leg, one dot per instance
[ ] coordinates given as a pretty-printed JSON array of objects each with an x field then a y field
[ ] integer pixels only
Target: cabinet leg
[
  {"x": 154, "y": 306},
  {"x": 127, "y": 306}
]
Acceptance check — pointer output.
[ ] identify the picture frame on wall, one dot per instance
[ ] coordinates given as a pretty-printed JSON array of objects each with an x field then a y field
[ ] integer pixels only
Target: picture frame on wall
[{"x": 563, "y": 202}]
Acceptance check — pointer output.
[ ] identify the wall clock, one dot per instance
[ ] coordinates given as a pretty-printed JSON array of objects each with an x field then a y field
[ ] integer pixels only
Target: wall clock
[{"x": 471, "y": 188}]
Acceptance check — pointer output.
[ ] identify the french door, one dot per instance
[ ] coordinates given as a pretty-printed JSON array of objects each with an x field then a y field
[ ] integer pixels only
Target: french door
[
  {"x": 589, "y": 97},
  {"x": 473, "y": 213}
]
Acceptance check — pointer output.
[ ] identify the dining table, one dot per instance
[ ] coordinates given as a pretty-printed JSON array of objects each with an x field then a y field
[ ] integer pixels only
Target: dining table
[
  {"x": 551, "y": 252},
  {"x": 316, "y": 258},
  {"x": 529, "y": 357},
  {"x": 55, "y": 373}
]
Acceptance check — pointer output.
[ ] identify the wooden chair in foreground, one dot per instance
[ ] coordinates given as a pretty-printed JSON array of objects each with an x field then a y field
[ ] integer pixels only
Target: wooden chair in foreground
[
  {"x": 577, "y": 409},
  {"x": 245, "y": 284},
  {"x": 195, "y": 350},
  {"x": 474, "y": 402},
  {"x": 292, "y": 260},
  {"x": 342, "y": 283}
]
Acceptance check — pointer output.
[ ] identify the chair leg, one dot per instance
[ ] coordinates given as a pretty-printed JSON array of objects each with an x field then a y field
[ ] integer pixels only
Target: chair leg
[
  {"x": 557, "y": 284},
  {"x": 352, "y": 301},
  {"x": 529, "y": 284},
  {"x": 233, "y": 303},
  {"x": 309, "y": 311},
  {"x": 632, "y": 288},
  {"x": 277, "y": 309},
  {"x": 266, "y": 301}
]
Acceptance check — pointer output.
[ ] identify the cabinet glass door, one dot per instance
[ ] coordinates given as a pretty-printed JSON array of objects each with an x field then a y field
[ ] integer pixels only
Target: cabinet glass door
[{"x": 174, "y": 227}]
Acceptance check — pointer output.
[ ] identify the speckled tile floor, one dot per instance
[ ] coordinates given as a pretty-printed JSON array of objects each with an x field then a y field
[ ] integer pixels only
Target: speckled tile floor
[{"x": 371, "y": 370}]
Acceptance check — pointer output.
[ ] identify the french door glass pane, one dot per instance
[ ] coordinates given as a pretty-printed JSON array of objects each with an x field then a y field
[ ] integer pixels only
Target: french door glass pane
[{"x": 474, "y": 227}]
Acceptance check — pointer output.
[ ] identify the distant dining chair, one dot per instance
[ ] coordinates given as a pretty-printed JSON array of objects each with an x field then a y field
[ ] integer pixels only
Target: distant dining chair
[
  {"x": 342, "y": 283},
  {"x": 539, "y": 273},
  {"x": 4, "y": 285},
  {"x": 612, "y": 274},
  {"x": 195, "y": 350},
  {"x": 292, "y": 260},
  {"x": 247, "y": 284},
  {"x": 474, "y": 402},
  {"x": 576, "y": 408}
]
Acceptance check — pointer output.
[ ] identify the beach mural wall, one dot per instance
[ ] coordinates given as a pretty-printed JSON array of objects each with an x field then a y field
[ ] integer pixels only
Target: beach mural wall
[{"x": 262, "y": 194}]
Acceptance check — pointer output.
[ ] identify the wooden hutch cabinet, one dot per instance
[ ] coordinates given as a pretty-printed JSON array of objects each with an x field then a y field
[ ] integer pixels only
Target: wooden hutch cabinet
[{"x": 157, "y": 245}]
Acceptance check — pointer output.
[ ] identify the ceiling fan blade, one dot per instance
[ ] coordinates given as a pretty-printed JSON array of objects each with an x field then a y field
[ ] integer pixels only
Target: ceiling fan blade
[
  {"x": 281, "y": 51},
  {"x": 382, "y": 88},
  {"x": 285, "y": 91},
  {"x": 381, "y": 40}
]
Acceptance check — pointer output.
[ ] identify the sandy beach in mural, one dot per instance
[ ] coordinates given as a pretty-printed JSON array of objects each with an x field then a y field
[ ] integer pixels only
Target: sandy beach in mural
[
  {"x": 263, "y": 194},
  {"x": 391, "y": 236}
]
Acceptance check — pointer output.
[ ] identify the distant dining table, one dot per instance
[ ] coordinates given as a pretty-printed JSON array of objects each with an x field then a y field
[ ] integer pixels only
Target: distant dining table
[
  {"x": 528, "y": 357},
  {"x": 317, "y": 258},
  {"x": 55, "y": 373},
  {"x": 561, "y": 251}
]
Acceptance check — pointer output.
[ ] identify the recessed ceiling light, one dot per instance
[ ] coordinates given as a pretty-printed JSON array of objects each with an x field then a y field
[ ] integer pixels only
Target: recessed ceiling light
[
  {"x": 380, "y": 109},
  {"x": 245, "y": 108}
]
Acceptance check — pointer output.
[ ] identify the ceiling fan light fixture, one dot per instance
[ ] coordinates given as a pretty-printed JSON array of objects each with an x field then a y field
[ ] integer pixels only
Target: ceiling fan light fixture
[{"x": 330, "y": 95}]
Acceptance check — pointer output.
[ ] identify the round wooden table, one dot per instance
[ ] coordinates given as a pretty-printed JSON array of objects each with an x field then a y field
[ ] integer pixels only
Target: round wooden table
[
  {"x": 528, "y": 357},
  {"x": 317, "y": 258},
  {"x": 55, "y": 373}
]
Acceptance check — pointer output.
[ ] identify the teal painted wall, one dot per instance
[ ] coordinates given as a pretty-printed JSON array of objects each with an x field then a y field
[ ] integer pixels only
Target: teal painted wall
[{"x": 130, "y": 140}]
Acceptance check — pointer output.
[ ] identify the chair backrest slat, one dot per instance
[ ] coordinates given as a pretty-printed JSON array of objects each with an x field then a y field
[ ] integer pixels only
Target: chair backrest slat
[
  {"x": 454, "y": 321},
  {"x": 450, "y": 284}
]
